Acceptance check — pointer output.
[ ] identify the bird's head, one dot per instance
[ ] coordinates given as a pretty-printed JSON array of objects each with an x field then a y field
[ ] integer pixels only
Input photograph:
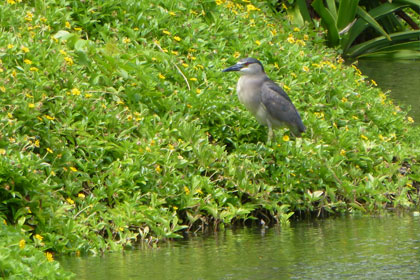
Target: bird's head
[{"x": 247, "y": 66}]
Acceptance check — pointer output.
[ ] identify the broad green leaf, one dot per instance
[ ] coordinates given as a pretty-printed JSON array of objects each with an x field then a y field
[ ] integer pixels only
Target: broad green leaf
[
  {"x": 332, "y": 8},
  {"x": 295, "y": 16},
  {"x": 304, "y": 10},
  {"x": 328, "y": 21},
  {"x": 346, "y": 13},
  {"x": 361, "y": 24},
  {"x": 409, "y": 2},
  {"x": 392, "y": 55},
  {"x": 377, "y": 43},
  {"x": 415, "y": 46},
  {"x": 368, "y": 18}
]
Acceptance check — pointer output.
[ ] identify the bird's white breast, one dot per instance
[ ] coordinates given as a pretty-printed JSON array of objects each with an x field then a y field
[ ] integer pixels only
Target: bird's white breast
[{"x": 248, "y": 90}]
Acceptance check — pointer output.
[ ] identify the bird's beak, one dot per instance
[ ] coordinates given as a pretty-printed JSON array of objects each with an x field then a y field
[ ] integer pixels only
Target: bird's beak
[{"x": 235, "y": 67}]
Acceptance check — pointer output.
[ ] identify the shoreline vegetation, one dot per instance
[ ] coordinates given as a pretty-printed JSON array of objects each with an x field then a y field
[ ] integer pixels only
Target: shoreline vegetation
[{"x": 118, "y": 126}]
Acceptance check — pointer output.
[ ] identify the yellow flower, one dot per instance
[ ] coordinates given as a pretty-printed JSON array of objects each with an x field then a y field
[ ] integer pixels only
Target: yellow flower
[
  {"x": 49, "y": 150},
  {"x": 193, "y": 79},
  {"x": 74, "y": 169},
  {"x": 2, "y": 89},
  {"x": 68, "y": 25},
  {"x": 2, "y": 152},
  {"x": 126, "y": 40},
  {"x": 305, "y": 68},
  {"x": 31, "y": 105},
  {"x": 33, "y": 69},
  {"x": 158, "y": 168},
  {"x": 77, "y": 29},
  {"x": 70, "y": 201},
  {"x": 296, "y": 29},
  {"x": 36, "y": 143},
  {"x": 301, "y": 42},
  {"x": 22, "y": 243},
  {"x": 69, "y": 60},
  {"x": 166, "y": 32},
  {"x": 81, "y": 195},
  {"x": 63, "y": 52},
  {"x": 286, "y": 88},
  {"x": 185, "y": 65},
  {"x": 11, "y": 2},
  {"x": 43, "y": 19},
  {"x": 49, "y": 117},
  {"x": 198, "y": 91},
  {"x": 27, "y": 61},
  {"x": 24, "y": 49},
  {"x": 88, "y": 95},
  {"x": 364, "y": 137},
  {"x": 75, "y": 91},
  {"x": 258, "y": 42},
  {"x": 10, "y": 46},
  {"x": 4, "y": 222},
  {"x": 286, "y": 138},
  {"x": 39, "y": 237},
  {"x": 374, "y": 83},
  {"x": 306, "y": 37},
  {"x": 28, "y": 16},
  {"x": 251, "y": 7},
  {"x": 49, "y": 256},
  {"x": 162, "y": 77},
  {"x": 410, "y": 119},
  {"x": 220, "y": 2},
  {"x": 344, "y": 100},
  {"x": 176, "y": 38},
  {"x": 290, "y": 39},
  {"x": 342, "y": 152},
  {"x": 175, "y": 208},
  {"x": 172, "y": 14},
  {"x": 186, "y": 190}
]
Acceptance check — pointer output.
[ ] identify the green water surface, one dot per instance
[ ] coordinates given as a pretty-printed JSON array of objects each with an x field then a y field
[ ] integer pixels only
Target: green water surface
[
  {"x": 402, "y": 78},
  {"x": 335, "y": 248}
]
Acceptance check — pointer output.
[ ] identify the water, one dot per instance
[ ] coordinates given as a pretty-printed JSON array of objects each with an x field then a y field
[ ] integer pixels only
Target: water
[
  {"x": 402, "y": 78},
  {"x": 336, "y": 248}
]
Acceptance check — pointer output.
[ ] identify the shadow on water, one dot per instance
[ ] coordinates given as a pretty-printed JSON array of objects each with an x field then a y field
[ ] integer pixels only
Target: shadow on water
[
  {"x": 335, "y": 248},
  {"x": 401, "y": 77}
]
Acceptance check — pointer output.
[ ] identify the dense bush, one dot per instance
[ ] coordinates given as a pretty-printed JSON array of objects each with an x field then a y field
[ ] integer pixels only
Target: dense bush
[{"x": 117, "y": 124}]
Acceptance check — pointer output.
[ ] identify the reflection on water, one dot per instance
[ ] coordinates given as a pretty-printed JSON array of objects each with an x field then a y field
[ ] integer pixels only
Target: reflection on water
[
  {"x": 402, "y": 78},
  {"x": 336, "y": 248}
]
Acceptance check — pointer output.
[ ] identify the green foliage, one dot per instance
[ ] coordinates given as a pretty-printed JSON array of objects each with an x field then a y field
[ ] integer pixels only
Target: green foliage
[
  {"x": 119, "y": 126},
  {"x": 366, "y": 28},
  {"x": 20, "y": 258}
]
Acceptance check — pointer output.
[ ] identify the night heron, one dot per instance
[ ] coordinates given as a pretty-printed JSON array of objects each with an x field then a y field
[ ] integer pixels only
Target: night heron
[{"x": 267, "y": 101}]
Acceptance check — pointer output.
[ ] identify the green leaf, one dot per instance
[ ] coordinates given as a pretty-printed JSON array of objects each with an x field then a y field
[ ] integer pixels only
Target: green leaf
[
  {"x": 304, "y": 10},
  {"x": 377, "y": 43},
  {"x": 332, "y": 8},
  {"x": 346, "y": 13},
  {"x": 409, "y": 2},
  {"x": 392, "y": 55},
  {"x": 369, "y": 19},
  {"x": 362, "y": 23},
  {"x": 328, "y": 21}
]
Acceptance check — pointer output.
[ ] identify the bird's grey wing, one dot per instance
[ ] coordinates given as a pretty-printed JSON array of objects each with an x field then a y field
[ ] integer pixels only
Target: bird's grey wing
[{"x": 279, "y": 105}]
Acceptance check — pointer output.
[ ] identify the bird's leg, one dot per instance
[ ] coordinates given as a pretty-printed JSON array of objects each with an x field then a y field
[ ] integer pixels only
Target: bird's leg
[{"x": 270, "y": 132}]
